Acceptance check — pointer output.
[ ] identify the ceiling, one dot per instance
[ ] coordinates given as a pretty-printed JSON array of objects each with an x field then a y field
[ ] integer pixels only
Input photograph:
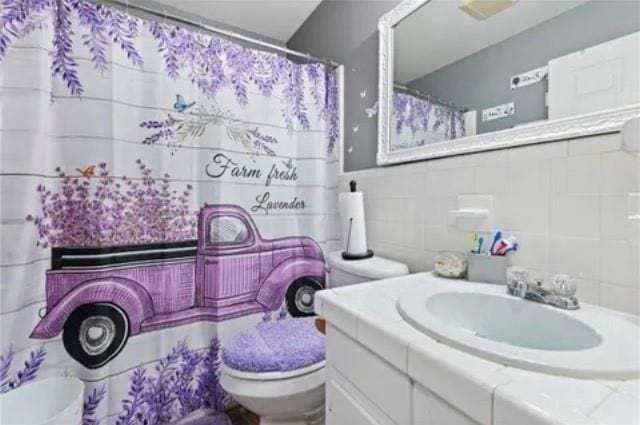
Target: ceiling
[
  {"x": 274, "y": 19},
  {"x": 439, "y": 33}
]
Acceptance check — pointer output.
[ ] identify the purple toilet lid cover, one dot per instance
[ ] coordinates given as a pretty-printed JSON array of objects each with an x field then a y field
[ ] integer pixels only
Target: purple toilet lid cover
[{"x": 279, "y": 345}]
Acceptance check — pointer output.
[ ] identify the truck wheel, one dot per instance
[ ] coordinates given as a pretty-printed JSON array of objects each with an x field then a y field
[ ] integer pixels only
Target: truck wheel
[
  {"x": 95, "y": 333},
  {"x": 300, "y": 296}
]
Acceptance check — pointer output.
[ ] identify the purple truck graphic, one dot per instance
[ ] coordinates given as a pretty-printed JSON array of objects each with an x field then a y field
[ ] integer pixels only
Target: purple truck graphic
[{"x": 100, "y": 296}]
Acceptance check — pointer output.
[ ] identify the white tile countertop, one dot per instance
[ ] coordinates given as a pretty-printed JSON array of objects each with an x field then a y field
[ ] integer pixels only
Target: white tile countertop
[{"x": 489, "y": 393}]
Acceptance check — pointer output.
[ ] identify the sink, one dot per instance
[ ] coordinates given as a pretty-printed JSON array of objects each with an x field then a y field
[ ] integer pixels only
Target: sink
[
  {"x": 513, "y": 322},
  {"x": 481, "y": 319}
]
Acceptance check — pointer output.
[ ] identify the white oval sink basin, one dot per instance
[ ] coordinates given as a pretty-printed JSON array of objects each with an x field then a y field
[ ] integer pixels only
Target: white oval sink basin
[
  {"x": 483, "y": 320},
  {"x": 528, "y": 325}
]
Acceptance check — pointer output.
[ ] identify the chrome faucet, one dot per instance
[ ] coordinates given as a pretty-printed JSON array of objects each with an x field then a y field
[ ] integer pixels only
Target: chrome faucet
[{"x": 560, "y": 295}]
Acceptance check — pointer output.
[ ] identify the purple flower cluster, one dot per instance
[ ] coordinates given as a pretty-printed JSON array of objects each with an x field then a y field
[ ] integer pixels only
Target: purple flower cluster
[
  {"x": 209, "y": 62},
  {"x": 163, "y": 130},
  {"x": 331, "y": 110},
  {"x": 90, "y": 406},
  {"x": 420, "y": 114},
  {"x": 184, "y": 381},
  {"x": 28, "y": 372},
  {"x": 105, "y": 210},
  {"x": 18, "y": 18}
]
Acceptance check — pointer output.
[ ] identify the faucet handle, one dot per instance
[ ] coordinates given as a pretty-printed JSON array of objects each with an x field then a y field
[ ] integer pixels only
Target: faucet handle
[{"x": 564, "y": 285}]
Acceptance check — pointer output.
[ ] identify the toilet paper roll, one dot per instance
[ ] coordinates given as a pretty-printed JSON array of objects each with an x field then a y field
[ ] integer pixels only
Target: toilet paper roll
[{"x": 354, "y": 236}]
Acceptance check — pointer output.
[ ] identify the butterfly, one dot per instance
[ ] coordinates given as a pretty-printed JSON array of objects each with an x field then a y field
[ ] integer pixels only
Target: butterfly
[
  {"x": 88, "y": 171},
  {"x": 363, "y": 94},
  {"x": 372, "y": 111},
  {"x": 181, "y": 105},
  {"x": 356, "y": 128},
  {"x": 288, "y": 164}
]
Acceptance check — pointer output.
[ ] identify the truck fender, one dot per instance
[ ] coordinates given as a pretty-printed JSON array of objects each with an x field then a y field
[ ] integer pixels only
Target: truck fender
[
  {"x": 132, "y": 298},
  {"x": 272, "y": 290}
]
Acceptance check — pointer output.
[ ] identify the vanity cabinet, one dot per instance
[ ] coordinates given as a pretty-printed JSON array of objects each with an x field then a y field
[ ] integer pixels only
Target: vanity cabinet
[{"x": 363, "y": 389}]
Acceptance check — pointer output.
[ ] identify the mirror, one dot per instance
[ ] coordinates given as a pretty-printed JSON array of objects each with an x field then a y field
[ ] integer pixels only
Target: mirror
[{"x": 458, "y": 76}]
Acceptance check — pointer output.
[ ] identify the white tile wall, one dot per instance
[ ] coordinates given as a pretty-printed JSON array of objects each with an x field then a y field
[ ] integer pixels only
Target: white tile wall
[{"x": 567, "y": 202}]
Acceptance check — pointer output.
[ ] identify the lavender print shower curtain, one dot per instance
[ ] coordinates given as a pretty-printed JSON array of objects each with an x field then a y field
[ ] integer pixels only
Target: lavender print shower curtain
[
  {"x": 162, "y": 189},
  {"x": 419, "y": 121}
]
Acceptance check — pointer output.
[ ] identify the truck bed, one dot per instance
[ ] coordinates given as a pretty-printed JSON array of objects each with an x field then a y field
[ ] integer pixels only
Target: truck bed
[{"x": 95, "y": 257}]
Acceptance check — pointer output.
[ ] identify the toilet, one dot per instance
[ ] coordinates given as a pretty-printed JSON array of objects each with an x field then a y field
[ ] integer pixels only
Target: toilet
[
  {"x": 348, "y": 272},
  {"x": 276, "y": 370}
]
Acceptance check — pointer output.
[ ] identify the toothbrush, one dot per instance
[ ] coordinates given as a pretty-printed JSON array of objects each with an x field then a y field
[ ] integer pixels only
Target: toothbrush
[
  {"x": 480, "y": 242},
  {"x": 496, "y": 237},
  {"x": 472, "y": 241}
]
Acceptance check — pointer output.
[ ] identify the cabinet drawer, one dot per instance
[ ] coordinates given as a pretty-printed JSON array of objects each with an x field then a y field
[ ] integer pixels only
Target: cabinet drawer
[
  {"x": 382, "y": 384},
  {"x": 346, "y": 405}
]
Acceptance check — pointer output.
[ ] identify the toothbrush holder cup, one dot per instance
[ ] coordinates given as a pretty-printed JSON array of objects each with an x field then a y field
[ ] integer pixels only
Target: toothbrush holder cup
[{"x": 487, "y": 268}]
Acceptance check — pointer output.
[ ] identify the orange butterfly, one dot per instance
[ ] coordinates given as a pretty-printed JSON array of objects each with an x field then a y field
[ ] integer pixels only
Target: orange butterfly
[{"x": 88, "y": 172}]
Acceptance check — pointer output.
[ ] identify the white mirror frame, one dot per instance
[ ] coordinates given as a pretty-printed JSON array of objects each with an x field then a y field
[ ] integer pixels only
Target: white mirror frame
[{"x": 601, "y": 122}]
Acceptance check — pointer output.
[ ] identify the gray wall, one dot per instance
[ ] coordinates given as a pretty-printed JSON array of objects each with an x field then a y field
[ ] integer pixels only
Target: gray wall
[
  {"x": 482, "y": 80},
  {"x": 346, "y": 31}
]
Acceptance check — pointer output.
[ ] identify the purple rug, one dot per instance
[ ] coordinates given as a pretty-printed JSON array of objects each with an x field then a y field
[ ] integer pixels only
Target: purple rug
[{"x": 280, "y": 345}]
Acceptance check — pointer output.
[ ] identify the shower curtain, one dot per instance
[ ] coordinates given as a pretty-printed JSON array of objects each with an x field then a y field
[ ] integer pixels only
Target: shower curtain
[
  {"x": 162, "y": 190},
  {"x": 419, "y": 121}
]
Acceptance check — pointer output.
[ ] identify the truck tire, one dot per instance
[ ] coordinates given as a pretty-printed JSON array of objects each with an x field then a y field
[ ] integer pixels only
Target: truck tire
[
  {"x": 300, "y": 296},
  {"x": 95, "y": 333}
]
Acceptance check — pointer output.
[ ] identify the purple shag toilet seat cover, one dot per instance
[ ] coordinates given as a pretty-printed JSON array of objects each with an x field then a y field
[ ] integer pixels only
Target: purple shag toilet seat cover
[{"x": 279, "y": 345}]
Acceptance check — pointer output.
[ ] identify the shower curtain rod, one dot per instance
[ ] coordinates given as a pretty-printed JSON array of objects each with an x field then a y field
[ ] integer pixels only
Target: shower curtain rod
[
  {"x": 163, "y": 14},
  {"x": 430, "y": 98}
]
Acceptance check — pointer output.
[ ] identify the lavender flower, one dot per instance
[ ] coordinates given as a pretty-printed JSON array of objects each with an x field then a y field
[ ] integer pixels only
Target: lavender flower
[
  {"x": 123, "y": 29},
  {"x": 26, "y": 374},
  {"x": 91, "y": 404},
  {"x": 94, "y": 39},
  {"x": 63, "y": 63},
  {"x": 208, "y": 388},
  {"x": 184, "y": 381},
  {"x": 419, "y": 114},
  {"x": 18, "y": 18},
  {"x": 5, "y": 364},
  {"x": 105, "y": 210},
  {"x": 331, "y": 110},
  {"x": 315, "y": 75},
  {"x": 133, "y": 407}
]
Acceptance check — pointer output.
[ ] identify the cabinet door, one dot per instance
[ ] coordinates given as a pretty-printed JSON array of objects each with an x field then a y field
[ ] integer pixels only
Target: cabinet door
[{"x": 345, "y": 405}]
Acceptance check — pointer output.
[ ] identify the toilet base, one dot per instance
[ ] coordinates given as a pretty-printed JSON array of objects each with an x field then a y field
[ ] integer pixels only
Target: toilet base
[
  {"x": 313, "y": 418},
  {"x": 279, "y": 398}
]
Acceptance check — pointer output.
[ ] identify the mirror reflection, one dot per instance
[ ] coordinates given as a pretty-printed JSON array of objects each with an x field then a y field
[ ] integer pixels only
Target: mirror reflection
[{"x": 474, "y": 66}]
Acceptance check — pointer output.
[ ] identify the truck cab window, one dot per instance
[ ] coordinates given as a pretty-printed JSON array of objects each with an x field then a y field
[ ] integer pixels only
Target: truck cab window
[{"x": 227, "y": 230}]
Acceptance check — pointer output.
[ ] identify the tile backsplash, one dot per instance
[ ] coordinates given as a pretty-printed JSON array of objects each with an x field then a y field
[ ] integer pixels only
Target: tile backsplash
[{"x": 567, "y": 202}]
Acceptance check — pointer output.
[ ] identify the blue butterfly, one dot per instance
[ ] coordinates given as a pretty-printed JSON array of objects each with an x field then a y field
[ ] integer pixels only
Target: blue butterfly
[{"x": 181, "y": 105}]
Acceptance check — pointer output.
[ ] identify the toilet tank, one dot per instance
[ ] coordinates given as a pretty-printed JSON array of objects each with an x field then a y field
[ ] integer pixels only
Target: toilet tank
[{"x": 348, "y": 272}]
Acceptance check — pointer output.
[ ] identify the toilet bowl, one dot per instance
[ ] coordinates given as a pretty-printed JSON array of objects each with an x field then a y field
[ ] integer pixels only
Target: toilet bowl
[
  {"x": 348, "y": 272},
  {"x": 294, "y": 398},
  {"x": 276, "y": 370}
]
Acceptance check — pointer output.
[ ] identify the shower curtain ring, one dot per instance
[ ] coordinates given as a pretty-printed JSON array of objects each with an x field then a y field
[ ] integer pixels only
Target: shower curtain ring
[
  {"x": 126, "y": 7},
  {"x": 164, "y": 13}
]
